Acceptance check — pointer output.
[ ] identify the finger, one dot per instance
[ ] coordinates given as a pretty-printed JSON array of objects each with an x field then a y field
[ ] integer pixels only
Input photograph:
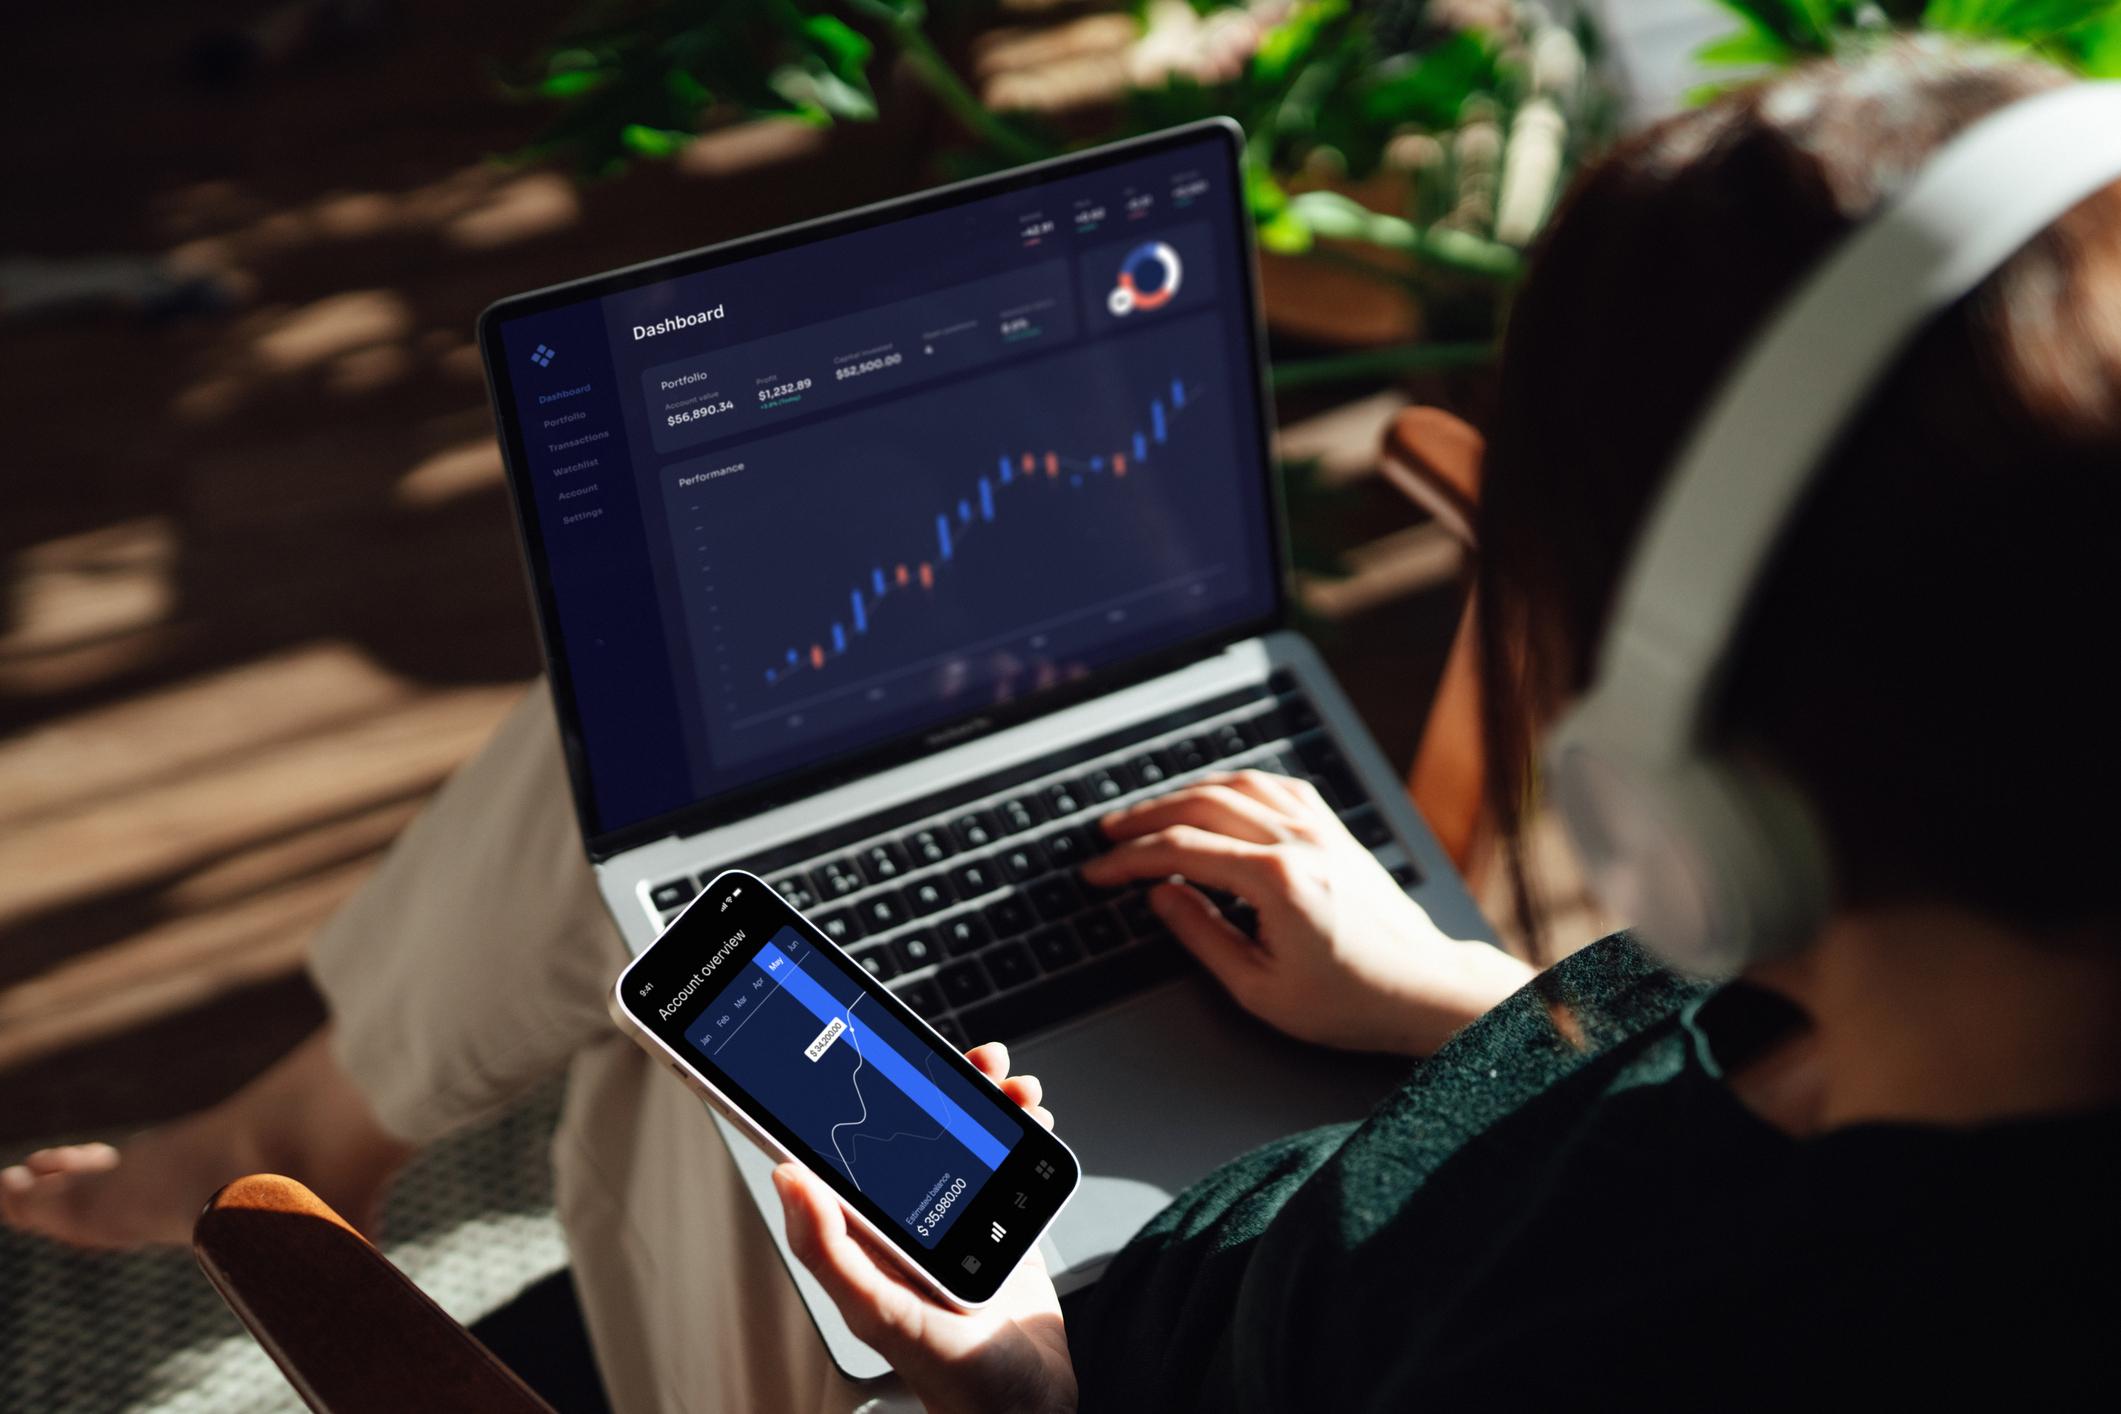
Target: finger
[
  {"x": 1024, "y": 1089},
  {"x": 1205, "y": 933},
  {"x": 1286, "y": 794},
  {"x": 72, "y": 1158},
  {"x": 1204, "y": 857},
  {"x": 1212, "y": 806},
  {"x": 1041, "y": 1114},
  {"x": 992, "y": 1060}
]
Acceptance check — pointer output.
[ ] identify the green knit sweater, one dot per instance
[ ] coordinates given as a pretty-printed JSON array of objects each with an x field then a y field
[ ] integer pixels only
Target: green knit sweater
[{"x": 1566, "y": 1203}]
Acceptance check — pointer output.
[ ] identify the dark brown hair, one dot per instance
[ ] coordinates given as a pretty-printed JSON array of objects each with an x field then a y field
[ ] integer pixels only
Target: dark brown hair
[{"x": 1927, "y": 655}]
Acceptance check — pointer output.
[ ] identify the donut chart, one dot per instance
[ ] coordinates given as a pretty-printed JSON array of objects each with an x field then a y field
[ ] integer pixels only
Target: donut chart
[{"x": 1128, "y": 295}]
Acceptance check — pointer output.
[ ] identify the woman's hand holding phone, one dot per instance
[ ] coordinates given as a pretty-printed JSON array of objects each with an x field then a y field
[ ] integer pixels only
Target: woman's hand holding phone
[
  {"x": 1008, "y": 1357},
  {"x": 1344, "y": 957}
]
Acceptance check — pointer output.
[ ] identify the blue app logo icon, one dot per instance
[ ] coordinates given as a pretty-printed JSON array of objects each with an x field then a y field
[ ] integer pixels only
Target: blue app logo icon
[{"x": 543, "y": 356}]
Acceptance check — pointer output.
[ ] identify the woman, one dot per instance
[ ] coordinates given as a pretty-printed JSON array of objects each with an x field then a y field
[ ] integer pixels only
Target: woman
[{"x": 1880, "y": 1167}]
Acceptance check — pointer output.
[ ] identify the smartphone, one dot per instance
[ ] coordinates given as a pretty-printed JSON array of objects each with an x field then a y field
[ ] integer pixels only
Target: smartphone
[{"x": 815, "y": 1060}]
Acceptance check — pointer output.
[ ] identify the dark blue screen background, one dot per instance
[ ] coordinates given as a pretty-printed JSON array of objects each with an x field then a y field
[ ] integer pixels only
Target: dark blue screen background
[
  {"x": 853, "y": 1119},
  {"x": 731, "y": 609}
]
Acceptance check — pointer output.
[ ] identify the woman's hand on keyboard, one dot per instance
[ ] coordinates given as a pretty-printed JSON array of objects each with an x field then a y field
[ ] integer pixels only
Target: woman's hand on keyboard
[
  {"x": 1344, "y": 957},
  {"x": 1010, "y": 1355}
]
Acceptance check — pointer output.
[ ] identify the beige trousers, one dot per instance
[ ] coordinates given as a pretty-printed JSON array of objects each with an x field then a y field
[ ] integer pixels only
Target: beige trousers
[{"x": 473, "y": 966}]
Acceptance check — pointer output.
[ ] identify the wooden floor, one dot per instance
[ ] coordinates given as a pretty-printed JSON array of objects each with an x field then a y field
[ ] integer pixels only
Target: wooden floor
[{"x": 262, "y": 592}]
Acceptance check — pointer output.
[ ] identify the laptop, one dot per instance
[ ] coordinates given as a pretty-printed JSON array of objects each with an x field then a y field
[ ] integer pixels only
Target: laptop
[{"x": 880, "y": 555}]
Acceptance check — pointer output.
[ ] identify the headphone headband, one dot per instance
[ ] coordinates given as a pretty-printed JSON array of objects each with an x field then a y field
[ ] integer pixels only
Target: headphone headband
[{"x": 1732, "y": 492}]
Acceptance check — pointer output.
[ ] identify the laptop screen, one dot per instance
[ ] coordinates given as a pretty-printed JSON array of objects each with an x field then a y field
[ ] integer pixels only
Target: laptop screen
[{"x": 808, "y": 501}]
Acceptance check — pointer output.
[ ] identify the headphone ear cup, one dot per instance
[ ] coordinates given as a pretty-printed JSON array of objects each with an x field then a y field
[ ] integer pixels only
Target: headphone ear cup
[{"x": 1713, "y": 866}]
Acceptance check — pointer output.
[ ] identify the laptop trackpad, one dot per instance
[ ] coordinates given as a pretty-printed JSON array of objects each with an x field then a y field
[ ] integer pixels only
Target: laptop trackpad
[{"x": 1159, "y": 1092}]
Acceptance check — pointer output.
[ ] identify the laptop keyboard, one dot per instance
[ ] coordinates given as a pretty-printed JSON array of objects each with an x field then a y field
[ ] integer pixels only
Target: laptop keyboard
[{"x": 969, "y": 904}]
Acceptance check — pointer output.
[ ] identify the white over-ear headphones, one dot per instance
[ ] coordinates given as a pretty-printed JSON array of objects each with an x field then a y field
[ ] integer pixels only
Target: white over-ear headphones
[{"x": 1715, "y": 863}]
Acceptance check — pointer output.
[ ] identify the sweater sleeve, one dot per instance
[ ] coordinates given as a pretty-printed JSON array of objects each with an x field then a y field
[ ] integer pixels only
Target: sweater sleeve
[{"x": 1164, "y": 1328}]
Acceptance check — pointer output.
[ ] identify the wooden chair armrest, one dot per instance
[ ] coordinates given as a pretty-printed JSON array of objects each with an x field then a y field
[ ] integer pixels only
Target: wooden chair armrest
[
  {"x": 1434, "y": 460},
  {"x": 349, "y": 1330}
]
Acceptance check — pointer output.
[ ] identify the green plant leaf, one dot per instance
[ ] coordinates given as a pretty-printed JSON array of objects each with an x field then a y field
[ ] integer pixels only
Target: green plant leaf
[
  {"x": 1434, "y": 87},
  {"x": 846, "y": 50},
  {"x": 1291, "y": 42},
  {"x": 658, "y": 143},
  {"x": 1286, "y": 234},
  {"x": 573, "y": 84}
]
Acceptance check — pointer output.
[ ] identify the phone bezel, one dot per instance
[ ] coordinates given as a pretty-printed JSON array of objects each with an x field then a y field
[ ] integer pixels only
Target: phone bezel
[{"x": 677, "y": 955}]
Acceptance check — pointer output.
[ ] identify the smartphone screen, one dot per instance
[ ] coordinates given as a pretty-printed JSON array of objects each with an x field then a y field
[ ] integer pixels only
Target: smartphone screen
[{"x": 791, "y": 1031}]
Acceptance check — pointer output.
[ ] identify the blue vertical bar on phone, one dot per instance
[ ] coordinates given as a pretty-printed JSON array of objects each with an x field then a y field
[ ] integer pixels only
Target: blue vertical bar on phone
[
  {"x": 1178, "y": 393},
  {"x": 1007, "y": 473},
  {"x": 1141, "y": 447},
  {"x": 876, "y": 580},
  {"x": 839, "y": 639},
  {"x": 1156, "y": 416},
  {"x": 964, "y": 512},
  {"x": 791, "y": 657},
  {"x": 861, "y": 615},
  {"x": 942, "y": 533},
  {"x": 986, "y": 499},
  {"x": 893, "y": 1066}
]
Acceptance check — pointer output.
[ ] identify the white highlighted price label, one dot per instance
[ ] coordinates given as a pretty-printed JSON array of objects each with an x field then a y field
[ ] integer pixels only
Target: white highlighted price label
[{"x": 825, "y": 1038}]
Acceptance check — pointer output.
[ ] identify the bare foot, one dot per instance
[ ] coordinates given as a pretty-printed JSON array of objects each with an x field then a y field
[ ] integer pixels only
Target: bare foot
[{"x": 303, "y": 1118}]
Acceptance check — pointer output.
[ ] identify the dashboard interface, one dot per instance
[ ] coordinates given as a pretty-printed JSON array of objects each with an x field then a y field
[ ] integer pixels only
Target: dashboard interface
[{"x": 846, "y": 484}]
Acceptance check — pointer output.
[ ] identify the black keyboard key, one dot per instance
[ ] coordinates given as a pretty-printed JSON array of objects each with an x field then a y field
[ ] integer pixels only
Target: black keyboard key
[
  {"x": 882, "y": 863},
  {"x": 1151, "y": 768},
  {"x": 1271, "y": 725},
  {"x": 796, "y": 889},
  {"x": 877, "y": 961},
  {"x": 967, "y": 933},
  {"x": 917, "y": 949},
  {"x": 952, "y": 1032},
  {"x": 1011, "y": 916},
  {"x": 1406, "y": 875},
  {"x": 1010, "y": 965},
  {"x": 1020, "y": 814},
  {"x": 1023, "y": 862},
  {"x": 1369, "y": 827},
  {"x": 976, "y": 830},
  {"x": 1067, "y": 995},
  {"x": 1055, "y": 947},
  {"x": 1096, "y": 894},
  {"x": 924, "y": 997},
  {"x": 675, "y": 894},
  {"x": 964, "y": 983},
  {"x": 1067, "y": 849},
  {"x": 1104, "y": 787},
  {"x": 1063, "y": 800},
  {"x": 1282, "y": 680},
  {"x": 836, "y": 878},
  {"x": 1101, "y": 930},
  {"x": 881, "y": 913},
  {"x": 842, "y": 927},
  {"x": 1230, "y": 738},
  {"x": 1331, "y": 773},
  {"x": 1055, "y": 897},
  {"x": 1190, "y": 753},
  {"x": 975, "y": 877},
  {"x": 931, "y": 846},
  {"x": 930, "y": 895},
  {"x": 1140, "y": 918}
]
